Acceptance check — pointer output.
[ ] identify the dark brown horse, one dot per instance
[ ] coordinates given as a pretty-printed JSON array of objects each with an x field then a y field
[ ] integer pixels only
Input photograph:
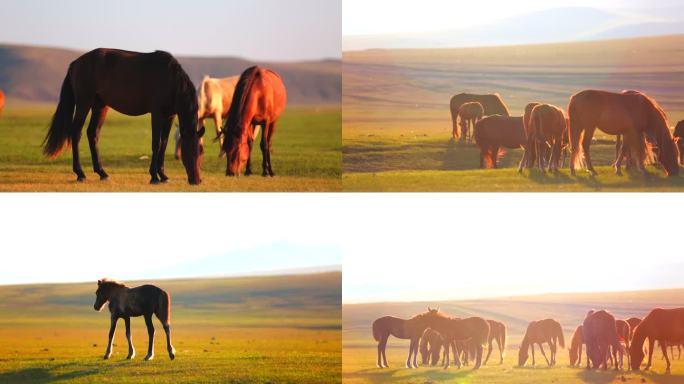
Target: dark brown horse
[
  {"x": 497, "y": 332},
  {"x": 259, "y": 99},
  {"x": 411, "y": 329},
  {"x": 492, "y": 104},
  {"x": 474, "y": 330},
  {"x": 538, "y": 332},
  {"x": 631, "y": 114},
  {"x": 431, "y": 344},
  {"x": 134, "y": 84},
  {"x": 661, "y": 325},
  {"x": 125, "y": 302},
  {"x": 545, "y": 129},
  {"x": 576, "y": 347},
  {"x": 600, "y": 335},
  {"x": 493, "y": 133},
  {"x": 679, "y": 140}
]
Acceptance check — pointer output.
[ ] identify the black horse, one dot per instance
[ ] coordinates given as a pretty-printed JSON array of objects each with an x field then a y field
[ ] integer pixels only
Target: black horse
[
  {"x": 125, "y": 303},
  {"x": 134, "y": 84}
]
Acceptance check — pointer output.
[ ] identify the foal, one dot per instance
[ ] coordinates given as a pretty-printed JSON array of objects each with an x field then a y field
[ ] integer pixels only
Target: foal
[{"x": 125, "y": 302}]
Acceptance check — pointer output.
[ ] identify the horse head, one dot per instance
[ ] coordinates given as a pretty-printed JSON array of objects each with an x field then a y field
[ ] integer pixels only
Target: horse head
[
  {"x": 192, "y": 153},
  {"x": 101, "y": 295}
]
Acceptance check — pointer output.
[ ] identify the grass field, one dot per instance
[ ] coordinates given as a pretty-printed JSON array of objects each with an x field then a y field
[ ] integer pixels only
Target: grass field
[
  {"x": 282, "y": 329},
  {"x": 397, "y": 123},
  {"x": 359, "y": 348},
  {"x": 306, "y": 155}
]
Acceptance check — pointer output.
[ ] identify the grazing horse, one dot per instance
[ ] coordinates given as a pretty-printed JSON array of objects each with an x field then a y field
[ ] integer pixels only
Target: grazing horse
[
  {"x": 2, "y": 100},
  {"x": 497, "y": 331},
  {"x": 125, "y": 302},
  {"x": 492, "y": 104},
  {"x": 678, "y": 138},
  {"x": 600, "y": 335},
  {"x": 545, "y": 128},
  {"x": 623, "y": 331},
  {"x": 134, "y": 84},
  {"x": 412, "y": 329},
  {"x": 469, "y": 114},
  {"x": 576, "y": 347},
  {"x": 259, "y": 99},
  {"x": 493, "y": 133},
  {"x": 538, "y": 332},
  {"x": 633, "y": 322},
  {"x": 431, "y": 344},
  {"x": 661, "y": 325},
  {"x": 473, "y": 330},
  {"x": 631, "y": 114},
  {"x": 214, "y": 97}
]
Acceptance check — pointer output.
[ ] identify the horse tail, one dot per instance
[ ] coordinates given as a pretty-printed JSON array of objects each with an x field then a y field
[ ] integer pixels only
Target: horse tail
[
  {"x": 561, "y": 338},
  {"x": 164, "y": 309},
  {"x": 376, "y": 331},
  {"x": 59, "y": 134},
  {"x": 502, "y": 341},
  {"x": 574, "y": 137}
]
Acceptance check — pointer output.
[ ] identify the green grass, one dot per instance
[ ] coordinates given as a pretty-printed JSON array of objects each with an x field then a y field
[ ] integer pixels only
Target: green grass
[
  {"x": 397, "y": 123},
  {"x": 306, "y": 155},
  {"x": 282, "y": 329},
  {"x": 359, "y": 348}
]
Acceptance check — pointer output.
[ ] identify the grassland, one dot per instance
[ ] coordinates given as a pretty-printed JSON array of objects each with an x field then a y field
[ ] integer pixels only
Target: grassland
[
  {"x": 282, "y": 329},
  {"x": 359, "y": 348},
  {"x": 397, "y": 123},
  {"x": 306, "y": 155}
]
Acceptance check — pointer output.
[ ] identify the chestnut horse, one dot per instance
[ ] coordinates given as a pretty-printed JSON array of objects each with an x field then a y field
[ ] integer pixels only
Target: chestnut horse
[
  {"x": 538, "y": 332},
  {"x": 544, "y": 129},
  {"x": 632, "y": 114},
  {"x": 493, "y": 133},
  {"x": 469, "y": 114},
  {"x": 259, "y": 99},
  {"x": 134, "y": 84},
  {"x": 623, "y": 331},
  {"x": 472, "y": 329},
  {"x": 2, "y": 100},
  {"x": 600, "y": 335},
  {"x": 661, "y": 325},
  {"x": 633, "y": 322},
  {"x": 497, "y": 332},
  {"x": 575, "y": 350},
  {"x": 411, "y": 329},
  {"x": 431, "y": 344},
  {"x": 678, "y": 137},
  {"x": 124, "y": 302},
  {"x": 492, "y": 104}
]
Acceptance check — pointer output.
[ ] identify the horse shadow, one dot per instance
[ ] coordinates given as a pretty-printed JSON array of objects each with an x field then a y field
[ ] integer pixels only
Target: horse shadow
[
  {"x": 45, "y": 375},
  {"x": 423, "y": 374},
  {"x": 560, "y": 177}
]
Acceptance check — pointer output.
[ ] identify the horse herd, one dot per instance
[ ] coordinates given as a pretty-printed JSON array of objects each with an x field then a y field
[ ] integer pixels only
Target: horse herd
[
  {"x": 135, "y": 83},
  {"x": 607, "y": 340},
  {"x": 545, "y": 130}
]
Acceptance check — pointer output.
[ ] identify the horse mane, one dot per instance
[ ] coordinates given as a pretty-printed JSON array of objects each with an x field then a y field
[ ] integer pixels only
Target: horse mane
[
  {"x": 112, "y": 283},
  {"x": 242, "y": 88},
  {"x": 185, "y": 89}
]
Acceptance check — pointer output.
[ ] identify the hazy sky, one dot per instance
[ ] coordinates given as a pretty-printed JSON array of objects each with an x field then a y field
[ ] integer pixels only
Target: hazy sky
[
  {"x": 254, "y": 29},
  {"x": 145, "y": 236}
]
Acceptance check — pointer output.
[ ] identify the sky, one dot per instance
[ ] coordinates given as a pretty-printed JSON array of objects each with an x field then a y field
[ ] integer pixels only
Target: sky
[
  {"x": 272, "y": 30},
  {"x": 161, "y": 236}
]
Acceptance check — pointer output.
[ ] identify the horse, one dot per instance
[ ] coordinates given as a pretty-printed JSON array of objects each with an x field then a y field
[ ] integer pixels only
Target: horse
[
  {"x": 465, "y": 349},
  {"x": 125, "y": 302},
  {"x": 495, "y": 132},
  {"x": 431, "y": 343},
  {"x": 472, "y": 329},
  {"x": 469, "y": 114},
  {"x": 412, "y": 329},
  {"x": 259, "y": 99},
  {"x": 662, "y": 325},
  {"x": 575, "y": 350},
  {"x": 134, "y": 84},
  {"x": 632, "y": 114},
  {"x": 492, "y": 104},
  {"x": 678, "y": 138},
  {"x": 538, "y": 332},
  {"x": 2, "y": 100},
  {"x": 623, "y": 331},
  {"x": 633, "y": 322},
  {"x": 497, "y": 331},
  {"x": 214, "y": 96},
  {"x": 545, "y": 128},
  {"x": 600, "y": 335}
]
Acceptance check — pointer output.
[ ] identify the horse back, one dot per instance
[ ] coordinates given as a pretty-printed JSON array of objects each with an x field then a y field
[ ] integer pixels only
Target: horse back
[
  {"x": 665, "y": 324},
  {"x": 143, "y": 300}
]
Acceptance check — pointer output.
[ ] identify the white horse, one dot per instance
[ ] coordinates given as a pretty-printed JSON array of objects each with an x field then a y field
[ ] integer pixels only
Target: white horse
[{"x": 214, "y": 97}]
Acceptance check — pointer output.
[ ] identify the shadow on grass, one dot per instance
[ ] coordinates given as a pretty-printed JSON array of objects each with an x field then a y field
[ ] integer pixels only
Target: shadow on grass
[
  {"x": 378, "y": 375},
  {"x": 46, "y": 375}
]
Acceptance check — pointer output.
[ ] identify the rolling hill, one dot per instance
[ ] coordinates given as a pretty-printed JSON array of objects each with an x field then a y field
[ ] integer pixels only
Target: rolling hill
[{"x": 36, "y": 73}]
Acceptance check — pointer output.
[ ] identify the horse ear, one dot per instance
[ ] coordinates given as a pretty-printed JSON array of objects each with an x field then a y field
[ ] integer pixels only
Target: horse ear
[
  {"x": 429, "y": 309},
  {"x": 99, "y": 282},
  {"x": 200, "y": 133}
]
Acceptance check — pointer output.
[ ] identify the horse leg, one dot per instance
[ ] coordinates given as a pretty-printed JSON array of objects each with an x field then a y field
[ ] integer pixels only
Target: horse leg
[
  {"x": 268, "y": 132},
  {"x": 408, "y": 359},
  {"x": 586, "y": 144},
  {"x": 384, "y": 353},
  {"x": 112, "y": 330},
  {"x": 76, "y": 128},
  {"x": 663, "y": 347},
  {"x": 380, "y": 354},
  {"x": 169, "y": 347},
  {"x": 579, "y": 358},
  {"x": 495, "y": 156},
  {"x": 541, "y": 348},
  {"x": 165, "y": 130},
  {"x": 534, "y": 362},
  {"x": 131, "y": 350},
  {"x": 250, "y": 144},
  {"x": 156, "y": 141},
  {"x": 97, "y": 117},
  {"x": 177, "y": 139},
  {"x": 150, "y": 334},
  {"x": 621, "y": 152},
  {"x": 553, "y": 353},
  {"x": 218, "y": 122},
  {"x": 478, "y": 356},
  {"x": 651, "y": 345},
  {"x": 489, "y": 351}
]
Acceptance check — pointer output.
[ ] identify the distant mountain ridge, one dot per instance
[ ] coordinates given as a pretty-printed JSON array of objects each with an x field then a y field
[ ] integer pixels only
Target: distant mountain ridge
[
  {"x": 563, "y": 24},
  {"x": 36, "y": 73}
]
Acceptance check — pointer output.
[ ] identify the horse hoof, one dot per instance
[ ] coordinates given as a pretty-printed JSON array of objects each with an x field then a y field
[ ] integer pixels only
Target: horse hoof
[
  {"x": 154, "y": 181},
  {"x": 107, "y": 356},
  {"x": 149, "y": 357},
  {"x": 172, "y": 356},
  {"x": 80, "y": 179},
  {"x": 130, "y": 357}
]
